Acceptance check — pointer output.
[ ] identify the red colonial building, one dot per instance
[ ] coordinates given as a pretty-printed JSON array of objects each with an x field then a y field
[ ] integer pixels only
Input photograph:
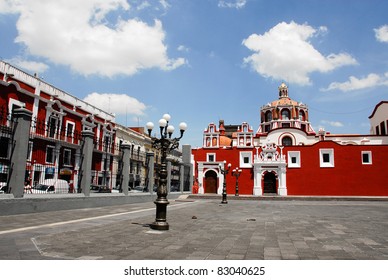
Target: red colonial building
[
  {"x": 58, "y": 119},
  {"x": 285, "y": 156}
]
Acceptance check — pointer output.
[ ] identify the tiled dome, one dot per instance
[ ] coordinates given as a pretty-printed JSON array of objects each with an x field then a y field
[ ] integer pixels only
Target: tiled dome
[{"x": 225, "y": 141}]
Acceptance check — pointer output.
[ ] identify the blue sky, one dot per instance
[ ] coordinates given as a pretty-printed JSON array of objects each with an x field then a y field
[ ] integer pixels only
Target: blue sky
[{"x": 206, "y": 60}]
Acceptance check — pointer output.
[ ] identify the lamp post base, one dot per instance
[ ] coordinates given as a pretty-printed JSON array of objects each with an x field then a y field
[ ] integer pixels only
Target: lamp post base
[
  {"x": 160, "y": 226},
  {"x": 161, "y": 214}
]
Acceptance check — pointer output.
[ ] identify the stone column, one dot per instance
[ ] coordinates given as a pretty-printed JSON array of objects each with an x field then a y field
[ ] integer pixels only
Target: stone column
[
  {"x": 86, "y": 166},
  {"x": 77, "y": 170},
  {"x": 126, "y": 148},
  {"x": 257, "y": 178},
  {"x": 282, "y": 189},
  {"x": 17, "y": 169},
  {"x": 201, "y": 189},
  {"x": 186, "y": 159},
  {"x": 151, "y": 163},
  {"x": 57, "y": 151},
  {"x": 182, "y": 177}
]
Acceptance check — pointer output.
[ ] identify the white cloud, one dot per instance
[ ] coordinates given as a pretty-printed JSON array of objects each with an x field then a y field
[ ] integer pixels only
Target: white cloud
[
  {"x": 183, "y": 48},
  {"x": 285, "y": 53},
  {"x": 78, "y": 34},
  {"x": 30, "y": 66},
  {"x": 372, "y": 80},
  {"x": 119, "y": 104},
  {"x": 143, "y": 5},
  {"x": 237, "y": 4},
  {"x": 382, "y": 33},
  {"x": 164, "y": 4},
  {"x": 332, "y": 123}
]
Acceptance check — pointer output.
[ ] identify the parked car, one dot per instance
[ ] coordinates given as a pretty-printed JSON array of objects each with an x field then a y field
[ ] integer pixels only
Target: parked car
[
  {"x": 138, "y": 189},
  {"x": 51, "y": 186},
  {"x": 104, "y": 189},
  {"x": 100, "y": 189}
]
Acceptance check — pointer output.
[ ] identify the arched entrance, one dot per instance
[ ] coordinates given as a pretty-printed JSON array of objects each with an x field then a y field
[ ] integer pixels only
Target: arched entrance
[
  {"x": 211, "y": 182},
  {"x": 269, "y": 182}
]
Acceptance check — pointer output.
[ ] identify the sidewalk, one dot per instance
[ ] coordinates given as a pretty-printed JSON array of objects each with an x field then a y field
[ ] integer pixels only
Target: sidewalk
[{"x": 203, "y": 229}]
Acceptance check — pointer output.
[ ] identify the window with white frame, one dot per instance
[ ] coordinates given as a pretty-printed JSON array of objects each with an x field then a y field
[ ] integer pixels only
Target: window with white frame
[
  {"x": 326, "y": 157},
  {"x": 210, "y": 157},
  {"x": 293, "y": 159},
  {"x": 70, "y": 131},
  {"x": 245, "y": 159},
  {"x": 53, "y": 126},
  {"x": 245, "y": 140},
  {"x": 67, "y": 157},
  {"x": 366, "y": 157},
  {"x": 50, "y": 154},
  {"x": 107, "y": 145}
]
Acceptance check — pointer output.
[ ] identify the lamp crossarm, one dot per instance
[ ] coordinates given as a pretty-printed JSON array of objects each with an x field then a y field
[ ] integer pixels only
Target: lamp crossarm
[{"x": 165, "y": 143}]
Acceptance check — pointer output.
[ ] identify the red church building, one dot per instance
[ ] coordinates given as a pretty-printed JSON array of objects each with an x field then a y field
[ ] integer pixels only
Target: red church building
[{"x": 285, "y": 156}]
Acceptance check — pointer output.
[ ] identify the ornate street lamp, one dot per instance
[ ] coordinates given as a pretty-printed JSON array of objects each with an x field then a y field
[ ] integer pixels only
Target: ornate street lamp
[
  {"x": 165, "y": 144},
  {"x": 236, "y": 173},
  {"x": 224, "y": 172}
]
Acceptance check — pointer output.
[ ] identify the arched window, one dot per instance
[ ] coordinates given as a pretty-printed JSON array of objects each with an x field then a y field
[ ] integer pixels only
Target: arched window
[
  {"x": 285, "y": 114},
  {"x": 214, "y": 142},
  {"x": 268, "y": 116},
  {"x": 302, "y": 115},
  {"x": 245, "y": 128},
  {"x": 53, "y": 126},
  {"x": 286, "y": 141},
  {"x": 207, "y": 141}
]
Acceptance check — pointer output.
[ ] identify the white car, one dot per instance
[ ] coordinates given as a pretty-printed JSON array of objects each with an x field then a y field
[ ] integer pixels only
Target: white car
[{"x": 51, "y": 186}]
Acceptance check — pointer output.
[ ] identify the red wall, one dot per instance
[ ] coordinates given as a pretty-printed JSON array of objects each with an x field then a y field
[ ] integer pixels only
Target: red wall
[
  {"x": 232, "y": 156},
  {"x": 348, "y": 176}
]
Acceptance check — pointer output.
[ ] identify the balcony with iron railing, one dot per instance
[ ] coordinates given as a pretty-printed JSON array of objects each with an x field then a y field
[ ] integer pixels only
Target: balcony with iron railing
[{"x": 44, "y": 130}]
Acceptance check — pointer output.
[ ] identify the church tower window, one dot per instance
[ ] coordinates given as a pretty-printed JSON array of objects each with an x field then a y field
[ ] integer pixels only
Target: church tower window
[
  {"x": 285, "y": 114},
  {"x": 302, "y": 115},
  {"x": 286, "y": 141},
  {"x": 268, "y": 116}
]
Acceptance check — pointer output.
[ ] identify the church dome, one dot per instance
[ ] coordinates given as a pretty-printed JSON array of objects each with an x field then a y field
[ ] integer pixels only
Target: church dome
[
  {"x": 284, "y": 113},
  {"x": 225, "y": 141}
]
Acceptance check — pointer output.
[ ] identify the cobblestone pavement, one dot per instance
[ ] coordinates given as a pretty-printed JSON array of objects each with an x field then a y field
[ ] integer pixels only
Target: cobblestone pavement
[{"x": 203, "y": 229}]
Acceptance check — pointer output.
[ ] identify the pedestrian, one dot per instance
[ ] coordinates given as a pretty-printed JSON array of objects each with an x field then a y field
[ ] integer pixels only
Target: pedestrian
[
  {"x": 27, "y": 187},
  {"x": 195, "y": 187}
]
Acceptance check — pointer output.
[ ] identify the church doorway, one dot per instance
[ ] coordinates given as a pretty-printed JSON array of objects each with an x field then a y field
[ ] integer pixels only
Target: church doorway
[
  {"x": 269, "y": 182},
  {"x": 211, "y": 182}
]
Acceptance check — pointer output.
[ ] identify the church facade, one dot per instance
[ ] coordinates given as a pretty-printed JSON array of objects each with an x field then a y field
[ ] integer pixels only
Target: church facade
[{"x": 285, "y": 156}]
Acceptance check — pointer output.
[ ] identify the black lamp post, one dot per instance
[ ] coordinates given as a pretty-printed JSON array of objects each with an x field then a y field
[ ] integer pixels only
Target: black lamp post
[
  {"x": 165, "y": 144},
  {"x": 224, "y": 172},
  {"x": 236, "y": 173}
]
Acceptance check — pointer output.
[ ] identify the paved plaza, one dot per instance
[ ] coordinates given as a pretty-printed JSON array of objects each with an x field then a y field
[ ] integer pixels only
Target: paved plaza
[{"x": 203, "y": 229}]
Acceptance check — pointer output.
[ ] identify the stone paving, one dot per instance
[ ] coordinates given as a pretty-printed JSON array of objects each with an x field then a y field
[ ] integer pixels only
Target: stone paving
[{"x": 203, "y": 229}]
